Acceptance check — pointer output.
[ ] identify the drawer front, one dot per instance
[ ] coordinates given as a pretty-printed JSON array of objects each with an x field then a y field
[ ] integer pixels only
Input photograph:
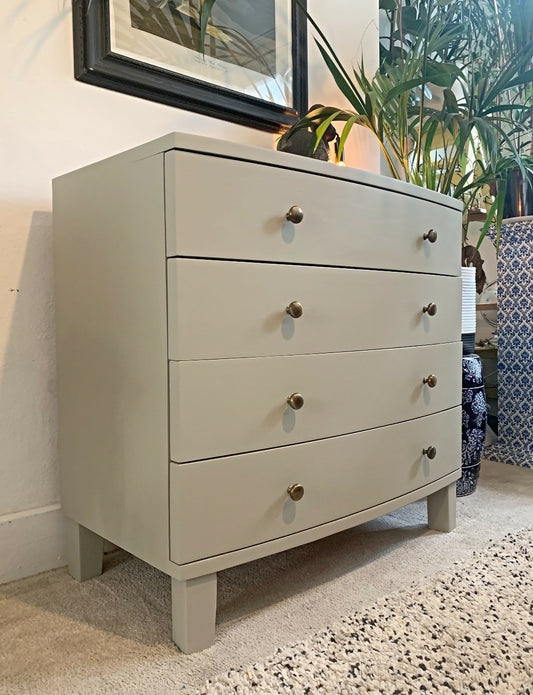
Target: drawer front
[
  {"x": 224, "y": 208},
  {"x": 222, "y": 407},
  {"x": 227, "y": 504},
  {"x": 222, "y": 309}
]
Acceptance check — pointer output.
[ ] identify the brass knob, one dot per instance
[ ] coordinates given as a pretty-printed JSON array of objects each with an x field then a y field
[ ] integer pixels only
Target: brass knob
[
  {"x": 296, "y": 491},
  {"x": 295, "y": 214},
  {"x": 431, "y": 236},
  {"x": 430, "y": 309},
  {"x": 296, "y": 401},
  {"x": 430, "y": 452},
  {"x": 295, "y": 309},
  {"x": 431, "y": 381}
]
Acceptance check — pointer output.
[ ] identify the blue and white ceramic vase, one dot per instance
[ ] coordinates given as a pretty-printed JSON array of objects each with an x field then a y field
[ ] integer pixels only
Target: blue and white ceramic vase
[{"x": 474, "y": 424}]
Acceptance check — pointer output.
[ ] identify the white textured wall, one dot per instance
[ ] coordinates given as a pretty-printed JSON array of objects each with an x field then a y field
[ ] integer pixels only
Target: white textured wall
[{"x": 50, "y": 124}]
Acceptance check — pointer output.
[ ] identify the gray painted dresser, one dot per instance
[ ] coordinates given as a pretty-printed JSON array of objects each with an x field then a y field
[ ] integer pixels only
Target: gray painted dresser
[{"x": 255, "y": 350}]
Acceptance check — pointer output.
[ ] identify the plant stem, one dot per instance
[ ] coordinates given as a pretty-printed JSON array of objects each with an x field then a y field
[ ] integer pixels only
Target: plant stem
[{"x": 423, "y": 89}]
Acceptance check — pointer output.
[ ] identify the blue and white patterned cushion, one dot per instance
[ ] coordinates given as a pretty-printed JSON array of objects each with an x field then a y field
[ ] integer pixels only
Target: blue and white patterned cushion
[{"x": 515, "y": 345}]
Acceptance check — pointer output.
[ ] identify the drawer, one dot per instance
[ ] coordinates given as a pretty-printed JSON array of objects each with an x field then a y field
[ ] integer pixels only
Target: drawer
[
  {"x": 227, "y": 504},
  {"x": 229, "y": 309},
  {"x": 227, "y": 208},
  {"x": 222, "y": 407}
]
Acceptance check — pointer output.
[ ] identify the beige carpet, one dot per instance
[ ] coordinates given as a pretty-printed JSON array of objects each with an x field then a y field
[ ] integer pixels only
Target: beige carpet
[{"x": 112, "y": 634}]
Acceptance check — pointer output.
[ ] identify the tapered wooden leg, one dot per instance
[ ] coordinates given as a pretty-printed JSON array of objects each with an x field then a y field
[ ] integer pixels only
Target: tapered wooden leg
[
  {"x": 85, "y": 551},
  {"x": 441, "y": 508},
  {"x": 194, "y": 606}
]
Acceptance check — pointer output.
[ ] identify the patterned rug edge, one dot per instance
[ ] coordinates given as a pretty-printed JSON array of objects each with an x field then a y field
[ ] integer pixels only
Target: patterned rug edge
[{"x": 468, "y": 631}]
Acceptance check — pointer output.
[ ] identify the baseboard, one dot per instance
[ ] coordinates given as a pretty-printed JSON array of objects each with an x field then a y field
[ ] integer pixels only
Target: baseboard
[{"x": 31, "y": 542}]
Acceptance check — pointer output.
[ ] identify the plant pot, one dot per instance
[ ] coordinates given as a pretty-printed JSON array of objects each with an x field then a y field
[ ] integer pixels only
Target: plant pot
[
  {"x": 474, "y": 424},
  {"x": 518, "y": 196}
]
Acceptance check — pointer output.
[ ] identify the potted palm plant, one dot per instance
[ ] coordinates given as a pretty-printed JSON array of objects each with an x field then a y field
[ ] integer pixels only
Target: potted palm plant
[
  {"x": 459, "y": 143},
  {"x": 514, "y": 22}
]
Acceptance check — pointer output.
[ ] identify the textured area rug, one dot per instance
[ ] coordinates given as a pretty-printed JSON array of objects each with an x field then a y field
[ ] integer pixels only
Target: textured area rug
[{"x": 470, "y": 631}]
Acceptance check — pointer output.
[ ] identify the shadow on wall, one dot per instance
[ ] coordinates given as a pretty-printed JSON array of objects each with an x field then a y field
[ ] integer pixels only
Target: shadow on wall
[
  {"x": 28, "y": 394},
  {"x": 34, "y": 43}
]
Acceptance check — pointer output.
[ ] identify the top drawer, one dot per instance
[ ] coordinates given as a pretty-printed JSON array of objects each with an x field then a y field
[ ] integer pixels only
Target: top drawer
[{"x": 227, "y": 208}]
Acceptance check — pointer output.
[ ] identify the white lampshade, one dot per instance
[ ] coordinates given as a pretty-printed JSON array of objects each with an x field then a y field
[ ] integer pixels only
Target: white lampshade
[{"x": 468, "y": 311}]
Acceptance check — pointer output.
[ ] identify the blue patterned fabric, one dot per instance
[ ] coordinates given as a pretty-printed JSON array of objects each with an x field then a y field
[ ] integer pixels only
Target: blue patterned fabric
[
  {"x": 474, "y": 416},
  {"x": 515, "y": 345}
]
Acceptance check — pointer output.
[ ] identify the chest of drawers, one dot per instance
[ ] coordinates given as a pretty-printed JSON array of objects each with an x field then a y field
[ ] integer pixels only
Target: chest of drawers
[{"x": 255, "y": 350}]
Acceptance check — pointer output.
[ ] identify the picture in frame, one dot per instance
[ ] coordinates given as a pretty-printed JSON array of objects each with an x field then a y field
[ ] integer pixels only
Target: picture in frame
[{"x": 250, "y": 68}]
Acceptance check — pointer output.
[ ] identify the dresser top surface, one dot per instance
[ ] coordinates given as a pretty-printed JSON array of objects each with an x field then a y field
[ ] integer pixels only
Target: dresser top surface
[{"x": 260, "y": 155}]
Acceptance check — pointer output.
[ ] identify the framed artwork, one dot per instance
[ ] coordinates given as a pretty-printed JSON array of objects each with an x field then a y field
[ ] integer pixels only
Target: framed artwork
[{"x": 250, "y": 68}]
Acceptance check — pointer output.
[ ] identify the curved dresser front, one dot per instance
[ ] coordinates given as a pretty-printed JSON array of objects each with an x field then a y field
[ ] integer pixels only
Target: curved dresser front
[{"x": 259, "y": 350}]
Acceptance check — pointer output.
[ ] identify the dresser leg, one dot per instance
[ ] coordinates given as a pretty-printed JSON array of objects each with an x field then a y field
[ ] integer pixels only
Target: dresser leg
[
  {"x": 194, "y": 607},
  {"x": 85, "y": 551},
  {"x": 441, "y": 508}
]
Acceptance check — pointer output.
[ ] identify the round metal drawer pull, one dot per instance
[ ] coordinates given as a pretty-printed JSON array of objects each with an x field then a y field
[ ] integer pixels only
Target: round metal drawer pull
[
  {"x": 430, "y": 309},
  {"x": 296, "y": 401},
  {"x": 431, "y": 236},
  {"x": 430, "y": 452},
  {"x": 295, "y": 309},
  {"x": 296, "y": 491},
  {"x": 431, "y": 381},
  {"x": 295, "y": 214}
]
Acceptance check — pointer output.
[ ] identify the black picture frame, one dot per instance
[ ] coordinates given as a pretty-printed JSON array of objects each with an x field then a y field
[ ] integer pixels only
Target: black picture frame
[{"x": 95, "y": 63}]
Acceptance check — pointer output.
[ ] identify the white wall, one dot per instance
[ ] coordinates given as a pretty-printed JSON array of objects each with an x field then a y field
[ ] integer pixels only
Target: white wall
[{"x": 50, "y": 124}]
